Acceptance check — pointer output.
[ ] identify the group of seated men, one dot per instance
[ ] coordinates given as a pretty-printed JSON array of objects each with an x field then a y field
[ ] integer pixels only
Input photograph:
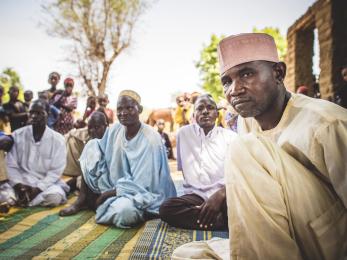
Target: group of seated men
[
  {"x": 124, "y": 186},
  {"x": 279, "y": 186},
  {"x": 36, "y": 159}
]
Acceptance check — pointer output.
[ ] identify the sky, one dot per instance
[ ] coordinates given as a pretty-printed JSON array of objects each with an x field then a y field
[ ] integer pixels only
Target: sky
[{"x": 167, "y": 42}]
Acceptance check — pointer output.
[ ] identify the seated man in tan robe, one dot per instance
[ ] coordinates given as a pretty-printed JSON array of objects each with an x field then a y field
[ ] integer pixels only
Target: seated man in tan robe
[
  {"x": 76, "y": 139},
  {"x": 286, "y": 174},
  {"x": 7, "y": 198}
]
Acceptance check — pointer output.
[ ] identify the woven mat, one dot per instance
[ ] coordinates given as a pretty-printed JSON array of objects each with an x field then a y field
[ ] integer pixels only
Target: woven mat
[
  {"x": 158, "y": 240},
  {"x": 40, "y": 233}
]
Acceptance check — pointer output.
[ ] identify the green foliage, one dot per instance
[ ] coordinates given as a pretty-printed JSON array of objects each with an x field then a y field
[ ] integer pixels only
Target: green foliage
[
  {"x": 280, "y": 40},
  {"x": 8, "y": 78},
  {"x": 209, "y": 68}
]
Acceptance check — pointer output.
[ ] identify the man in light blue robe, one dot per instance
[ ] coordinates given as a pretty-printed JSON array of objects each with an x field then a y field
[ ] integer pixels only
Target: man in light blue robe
[{"x": 126, "y": 172}]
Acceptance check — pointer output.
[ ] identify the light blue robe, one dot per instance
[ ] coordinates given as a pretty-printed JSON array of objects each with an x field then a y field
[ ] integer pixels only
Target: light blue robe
[{"x": 138, "y": 170}]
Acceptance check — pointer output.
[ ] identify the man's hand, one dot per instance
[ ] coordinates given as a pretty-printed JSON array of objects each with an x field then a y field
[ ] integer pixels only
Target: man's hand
[
  {"x": 22, "y": 194},
  {"x": 25, "y": 193},
  {"x": 104, "y": 196},
  {"x": 211, "y": 208}
]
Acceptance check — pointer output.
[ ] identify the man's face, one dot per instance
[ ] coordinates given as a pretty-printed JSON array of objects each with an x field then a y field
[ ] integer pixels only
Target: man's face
[
  {"x": 38, "y": 115},
  {"x": 344, "y": 74},
  {"x": 43, "y": 95},
  {"x": 103, "y": 102},
  {"x": 68, "y": 88},
  {"x": 161, "y": 125},
  {"x": 91, "y": 103},
  {"x": 128, "y": 111},
  {"x": 250, "y": 87},
  {"x": 205, "y": 113},
  {"x": 13, "y": 94},
  {"x": 54, "y": 79},
  {"x": 28, "y": 96},
  {"x": 97, "y": 127}
]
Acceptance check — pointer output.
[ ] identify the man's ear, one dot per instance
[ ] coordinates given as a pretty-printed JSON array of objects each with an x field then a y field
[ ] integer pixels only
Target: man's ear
[
  {"x": 194, "y": 113},
  {"x": 140, "y": 109},
  {"x": 280, "y": 70}
]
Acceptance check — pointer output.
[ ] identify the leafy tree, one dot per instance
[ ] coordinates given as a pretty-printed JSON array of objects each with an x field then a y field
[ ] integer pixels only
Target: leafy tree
[
  {"x": 8, "y": 78},
  {"x": 280, "y": 40},
  {"x": 98, "y": 30},
  {"x": 209, "y": 68}
]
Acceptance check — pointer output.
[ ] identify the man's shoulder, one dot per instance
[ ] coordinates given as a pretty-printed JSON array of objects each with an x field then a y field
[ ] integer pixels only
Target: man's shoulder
[
  {"x": 186, "y": 129},
  {"x": 8, "y": 105},
  {"x": 80, "y": 134},
  {"x": 319, "y": 109},
  {"x": 151, "y": 134},
  {"x": 302, "y": 110},
  {"x": 21, "y": 131},
  {"x": 225, "y": 132},
  {"x": 57, "y": 137}
]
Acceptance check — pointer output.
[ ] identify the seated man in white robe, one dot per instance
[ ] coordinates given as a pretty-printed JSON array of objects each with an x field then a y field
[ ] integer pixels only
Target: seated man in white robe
[
  {"x": 201, "y": 149},
  {"x": 286, "y": 174},
  {"x": 125, "y": 174},
  {"x": 36, "y": 161}
]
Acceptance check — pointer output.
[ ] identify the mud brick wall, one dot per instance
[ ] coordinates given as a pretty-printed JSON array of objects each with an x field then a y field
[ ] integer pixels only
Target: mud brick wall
[{"x": 330, "y": 19}]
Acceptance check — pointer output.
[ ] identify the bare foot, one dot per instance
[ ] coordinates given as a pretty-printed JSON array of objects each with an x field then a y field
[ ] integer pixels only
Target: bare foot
[
  {"x": 72, "y": 210},
  {"x": 4, "y": 207}
]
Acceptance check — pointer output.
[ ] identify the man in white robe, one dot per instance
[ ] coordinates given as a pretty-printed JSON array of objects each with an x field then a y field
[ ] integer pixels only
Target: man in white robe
[
  {"x": 36, "y": 161},
  {"x": 201, "y": 150},
  {"x": 286, "y": 175}
]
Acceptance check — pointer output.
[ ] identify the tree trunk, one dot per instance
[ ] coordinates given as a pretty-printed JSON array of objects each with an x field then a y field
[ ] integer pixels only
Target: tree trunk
[
  {"x": 88, "y": 82},
  {"x": 102, "y": 84}
]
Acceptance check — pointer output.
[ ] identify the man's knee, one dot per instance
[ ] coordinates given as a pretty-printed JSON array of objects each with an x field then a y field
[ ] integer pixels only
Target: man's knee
[
  {"x": 216, "y": 248},
  {"x": 7, "y": 194},
  {"x": 127, "y": 217},
  {"x": 120, "y": 212},
  {"x": 165, "y": 210},
  {"x": 52, "y": 200}
]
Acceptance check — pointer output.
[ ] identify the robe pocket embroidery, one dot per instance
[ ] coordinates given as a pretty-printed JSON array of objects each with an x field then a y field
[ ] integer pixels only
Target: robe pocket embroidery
[{"x": 330, "y": 231}]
